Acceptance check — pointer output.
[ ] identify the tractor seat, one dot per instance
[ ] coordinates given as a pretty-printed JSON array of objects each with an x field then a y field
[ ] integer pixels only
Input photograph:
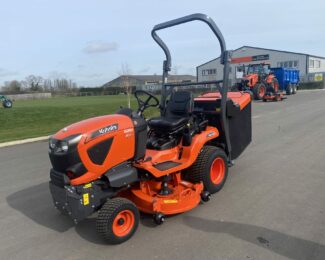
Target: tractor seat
[{"x": 176, "y": 114}]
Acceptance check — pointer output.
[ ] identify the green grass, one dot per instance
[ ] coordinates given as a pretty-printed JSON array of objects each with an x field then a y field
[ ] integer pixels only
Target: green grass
[{"x": 33, "y": 118}]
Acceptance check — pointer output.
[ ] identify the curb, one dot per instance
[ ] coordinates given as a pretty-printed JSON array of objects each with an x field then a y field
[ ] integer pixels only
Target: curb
[
  {"x": 310, "y": 90},
  {"x": 24, "y": 141}
]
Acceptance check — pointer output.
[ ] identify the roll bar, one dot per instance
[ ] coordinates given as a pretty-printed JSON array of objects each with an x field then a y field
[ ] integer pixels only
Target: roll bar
[{"x": 225, "y": 60}]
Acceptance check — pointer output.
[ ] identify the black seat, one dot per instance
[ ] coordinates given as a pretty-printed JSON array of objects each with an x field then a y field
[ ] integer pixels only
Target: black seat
[{"x": 176, "y": 114}]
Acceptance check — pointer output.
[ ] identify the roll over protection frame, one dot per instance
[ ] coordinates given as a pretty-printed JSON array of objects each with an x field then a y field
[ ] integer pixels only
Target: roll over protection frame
[{"x": 225, "y": 60}]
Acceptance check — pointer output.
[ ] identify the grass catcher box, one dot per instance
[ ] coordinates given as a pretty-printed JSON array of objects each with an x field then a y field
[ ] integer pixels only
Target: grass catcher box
[{"x": 238, "y": 112}]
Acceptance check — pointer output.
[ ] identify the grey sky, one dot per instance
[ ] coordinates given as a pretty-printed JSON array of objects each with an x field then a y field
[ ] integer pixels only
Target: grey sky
[{"x": 88, "y": 41}]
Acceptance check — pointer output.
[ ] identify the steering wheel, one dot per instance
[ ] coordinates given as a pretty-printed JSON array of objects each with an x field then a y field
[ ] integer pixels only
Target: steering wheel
[{"x": 145, "y": 103}]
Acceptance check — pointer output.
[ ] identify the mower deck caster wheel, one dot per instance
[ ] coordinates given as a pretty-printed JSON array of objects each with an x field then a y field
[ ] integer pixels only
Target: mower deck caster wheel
[
  {"x": 205, "y": 196},
  {"x": 159, "y": 218}
]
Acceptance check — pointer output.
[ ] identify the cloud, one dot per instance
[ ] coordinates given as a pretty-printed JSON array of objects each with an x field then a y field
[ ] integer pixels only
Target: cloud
[
  {"x": 144, "y": 70},
  {"x": 100, "y": 47},
  {"x": 94, "y": 75},
  {"x": 81, "y": 66},
  {"x": 6, "y": 73},
  {"x": 57, "y": 75}
]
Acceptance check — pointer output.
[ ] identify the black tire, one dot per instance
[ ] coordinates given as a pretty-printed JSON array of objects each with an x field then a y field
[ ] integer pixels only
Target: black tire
[
  {"x": 108, "y": 215},
  {"x": 257, "y": 90},
  {"x": 201, "y": 169},
  {"x": 7, "y": 104},
  {"x": 294, "y": 89},
  {"x": 289, "y": 89},
  {"x": 159, "y": 218}
]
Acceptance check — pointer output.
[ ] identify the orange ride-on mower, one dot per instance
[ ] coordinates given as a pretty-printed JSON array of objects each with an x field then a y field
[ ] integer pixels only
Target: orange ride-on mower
[
  {"x": 259, "y": 80},
  {"x": 119, "y": 165},
  {"x": 271, "y": 95},
  {"x": 273, "y": 92}
]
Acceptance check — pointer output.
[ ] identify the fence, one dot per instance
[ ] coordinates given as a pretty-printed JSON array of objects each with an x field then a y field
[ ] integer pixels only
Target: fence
[
  {"x": 312, "y": 85},
  {"x": 29, "y": 96}
]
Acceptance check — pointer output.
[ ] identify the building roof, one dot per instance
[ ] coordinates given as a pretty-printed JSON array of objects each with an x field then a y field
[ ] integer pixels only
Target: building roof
[
  {"x": 159, "y": 77},
  {"x": 151, "y": 78},
  {"x": 259, "y": 48}
]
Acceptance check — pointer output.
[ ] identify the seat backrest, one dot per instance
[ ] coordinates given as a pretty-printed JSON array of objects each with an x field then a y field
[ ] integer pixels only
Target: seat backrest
[{"x": 180, "y": 104}]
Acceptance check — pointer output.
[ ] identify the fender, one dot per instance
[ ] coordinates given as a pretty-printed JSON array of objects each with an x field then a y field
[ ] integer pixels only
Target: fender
[
  {"x": 179, "y": 157},
  {"x": 122, "y": 175}
]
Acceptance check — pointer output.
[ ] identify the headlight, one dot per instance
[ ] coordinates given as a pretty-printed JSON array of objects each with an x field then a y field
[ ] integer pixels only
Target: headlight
[
  {"x": 62, "y": 146},
  {"x": 58, "y": 146},
  {"x": 52, "y": 143}
]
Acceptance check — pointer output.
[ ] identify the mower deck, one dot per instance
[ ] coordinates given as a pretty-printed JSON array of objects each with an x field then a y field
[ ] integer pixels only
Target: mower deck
[
  {"x": 183, "y": 196},
  {"x": 273, "y": 97}
]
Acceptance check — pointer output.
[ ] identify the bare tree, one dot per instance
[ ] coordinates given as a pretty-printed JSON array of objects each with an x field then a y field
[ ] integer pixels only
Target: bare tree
[
  {"x": 174, "y": 70},
  {"x": 13, "y": 87},
  {"x": 47, "y": 85},
  {"x": 33, "y": 83},
  {"x": 62, "y": 85},
  {"x": 125, "y": 73}
]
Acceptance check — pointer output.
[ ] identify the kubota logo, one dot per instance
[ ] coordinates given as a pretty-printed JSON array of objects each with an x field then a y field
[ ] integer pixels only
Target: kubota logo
[
  {"x": 107, "y": 129},
  {"x": 104, "y": 130}
]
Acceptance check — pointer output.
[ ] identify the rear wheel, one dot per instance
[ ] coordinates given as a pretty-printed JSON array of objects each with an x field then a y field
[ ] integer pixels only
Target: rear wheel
[
  {"x": 294, "y": 89},
  {"x": 117, "y": 220},
  {"x": 259, "y": 91},
  {"x": 7, "y": 104},
  {"x": 210, "y": 167},
  {"x": 289, "y": 89}
]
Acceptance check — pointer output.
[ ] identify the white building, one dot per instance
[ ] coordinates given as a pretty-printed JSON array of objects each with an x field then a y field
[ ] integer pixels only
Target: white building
[{"x": 312, "y": 68}]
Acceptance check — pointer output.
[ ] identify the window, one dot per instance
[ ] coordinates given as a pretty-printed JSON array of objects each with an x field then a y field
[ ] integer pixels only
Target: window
[
  {"x": 288, "y": 64},
  {"x": 311, "y": 63},
  {"x": 209, "y": 72},
  {"x": 240, "y": 69},
  {"x": 317, "y": 63}
]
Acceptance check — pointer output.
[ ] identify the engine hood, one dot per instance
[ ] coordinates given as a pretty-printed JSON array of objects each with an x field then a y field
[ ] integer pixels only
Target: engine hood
[{"x": 96, "y": 126}]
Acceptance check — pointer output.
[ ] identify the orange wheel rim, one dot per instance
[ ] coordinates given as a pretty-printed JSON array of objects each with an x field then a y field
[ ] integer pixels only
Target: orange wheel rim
[
  {"x": 123, "y": 223},
  {"x": 262, "y": 91},
  {"x": 217, "y": 171}
]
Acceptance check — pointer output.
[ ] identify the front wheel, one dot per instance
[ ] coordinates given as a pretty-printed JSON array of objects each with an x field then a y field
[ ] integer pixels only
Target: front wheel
[
  {"x": 294, "y": 89},
  {"x": 117, "y": 220},
  {"x": 210, "y": 167}
]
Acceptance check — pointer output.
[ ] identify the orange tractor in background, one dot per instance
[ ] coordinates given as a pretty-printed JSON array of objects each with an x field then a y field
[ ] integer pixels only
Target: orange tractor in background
[{"x": 258, "y": 80}]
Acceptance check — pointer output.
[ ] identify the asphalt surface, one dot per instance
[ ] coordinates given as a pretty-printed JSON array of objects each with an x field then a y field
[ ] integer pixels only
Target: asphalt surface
[{"x": 272, "y": 206}]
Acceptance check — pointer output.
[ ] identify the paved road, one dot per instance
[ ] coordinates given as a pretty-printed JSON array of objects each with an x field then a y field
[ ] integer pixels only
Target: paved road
[{"x": 272, "y": 206}]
